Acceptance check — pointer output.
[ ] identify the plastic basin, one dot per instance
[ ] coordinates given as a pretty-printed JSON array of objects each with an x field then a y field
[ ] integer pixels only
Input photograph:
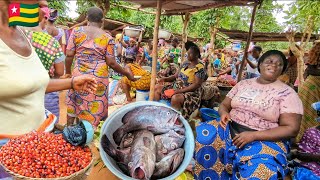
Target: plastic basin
[
  {"x": 113, "y": 122},
  {"x": 208, "y": 114}
]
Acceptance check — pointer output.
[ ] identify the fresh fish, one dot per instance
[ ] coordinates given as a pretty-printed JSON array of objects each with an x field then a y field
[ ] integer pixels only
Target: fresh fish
[
  {"x": 128, "y": 139},
  {"x": 120, "y": 155},
  {"x": 143, "y": 158},
  {"x": 169, "y": 164},
  {"x": 156, "y": 119},
  {"x": 168, "y": 142}
]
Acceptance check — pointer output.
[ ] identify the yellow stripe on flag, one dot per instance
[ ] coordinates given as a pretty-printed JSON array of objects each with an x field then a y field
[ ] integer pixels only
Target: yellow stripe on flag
[
  {"x": 23, "y": 19},
  {"x": 29, "y": 11}
]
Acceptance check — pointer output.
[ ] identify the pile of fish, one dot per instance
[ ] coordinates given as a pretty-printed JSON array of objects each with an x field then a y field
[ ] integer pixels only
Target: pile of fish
[{"x": 149, "y": 143}]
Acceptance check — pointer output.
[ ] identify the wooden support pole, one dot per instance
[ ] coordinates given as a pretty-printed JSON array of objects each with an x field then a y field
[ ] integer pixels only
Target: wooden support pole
[
  {"x": 186, "y": 20},
  {"x": 155, "y": 51},
  {"x": 248, "y": 43}
]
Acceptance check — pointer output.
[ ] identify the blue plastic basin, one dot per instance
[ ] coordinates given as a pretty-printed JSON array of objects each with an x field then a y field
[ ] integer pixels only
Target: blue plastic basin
[{"x": 208, "y": 114}]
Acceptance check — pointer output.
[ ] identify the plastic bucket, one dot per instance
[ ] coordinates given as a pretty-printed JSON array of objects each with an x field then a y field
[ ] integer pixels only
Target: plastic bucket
[
  {"x": 113, "y": 122},
  {"x": 142, "y": 95},
  {"x": 208, "y": 114}
]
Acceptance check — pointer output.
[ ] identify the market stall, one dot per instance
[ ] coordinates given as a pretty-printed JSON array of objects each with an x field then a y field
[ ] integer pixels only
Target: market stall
[{"x": 165, "y": 7}]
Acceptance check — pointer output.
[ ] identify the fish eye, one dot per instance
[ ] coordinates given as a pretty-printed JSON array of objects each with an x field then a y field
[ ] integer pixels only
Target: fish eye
[{"x": 168, "y": 113}]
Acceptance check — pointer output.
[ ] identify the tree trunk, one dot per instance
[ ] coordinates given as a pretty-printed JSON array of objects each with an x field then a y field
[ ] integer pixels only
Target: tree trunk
[{"x": 186, "y": 20}]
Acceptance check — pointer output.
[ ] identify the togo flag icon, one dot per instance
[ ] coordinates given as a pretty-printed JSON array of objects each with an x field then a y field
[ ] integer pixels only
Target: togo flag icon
[{"x": 23, "y": 14}]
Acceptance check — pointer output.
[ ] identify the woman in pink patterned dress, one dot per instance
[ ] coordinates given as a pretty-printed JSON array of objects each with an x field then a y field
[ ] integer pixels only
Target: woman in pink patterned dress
[{"x": 92, "y": 50}]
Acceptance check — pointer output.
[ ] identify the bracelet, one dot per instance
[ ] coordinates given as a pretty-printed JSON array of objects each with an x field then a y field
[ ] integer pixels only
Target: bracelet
[{"x": 72, "y": 82}]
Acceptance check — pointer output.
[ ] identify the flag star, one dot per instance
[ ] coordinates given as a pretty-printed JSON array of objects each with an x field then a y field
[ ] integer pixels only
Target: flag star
[{"x": 14, "y": 9}]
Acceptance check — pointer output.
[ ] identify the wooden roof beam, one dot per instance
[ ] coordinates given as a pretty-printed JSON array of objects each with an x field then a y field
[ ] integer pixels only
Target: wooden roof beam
[{"x": 208, "y": 6}]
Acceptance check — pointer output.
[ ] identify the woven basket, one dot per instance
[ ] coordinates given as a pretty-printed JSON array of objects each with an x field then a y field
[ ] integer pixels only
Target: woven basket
[{"x": 80, "y": 175}]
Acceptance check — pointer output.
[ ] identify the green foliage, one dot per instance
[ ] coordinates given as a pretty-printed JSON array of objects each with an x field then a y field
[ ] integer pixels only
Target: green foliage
[{"x": 298, "y": 13}]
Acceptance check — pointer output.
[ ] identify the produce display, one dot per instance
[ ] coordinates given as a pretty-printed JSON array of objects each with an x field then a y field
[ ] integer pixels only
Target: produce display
[
  {"x": 43, "y": 155},
  {"x": 149, "y": 143}
]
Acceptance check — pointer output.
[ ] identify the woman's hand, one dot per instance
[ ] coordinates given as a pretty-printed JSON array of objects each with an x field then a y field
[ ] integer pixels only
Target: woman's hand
[
  {"x": 84, "y": 84},
  {"x": 160, "y": 80},
  {"x": 65, "y": 76},
  {"x": 244, "y": 138},
  {"x": 131, "y": 78},
  {"x": 224, "y": 119}
]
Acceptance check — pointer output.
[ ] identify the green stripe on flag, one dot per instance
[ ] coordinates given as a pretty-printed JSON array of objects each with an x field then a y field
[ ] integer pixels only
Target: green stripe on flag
[
  {"x": 25, "y": 24},
  {"x": 29, "y": 15},
  {"x": 29, "y": 6}
]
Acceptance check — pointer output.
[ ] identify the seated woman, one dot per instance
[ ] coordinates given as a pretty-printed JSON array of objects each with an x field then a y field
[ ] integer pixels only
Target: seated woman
[
  {"x": 134, "y": 69},
  {"x": 187, "y": 84},
  {"x": 309, "y": 154},
  {"x": 171, "y": 68},
  {"x": 258, "y": 117}
]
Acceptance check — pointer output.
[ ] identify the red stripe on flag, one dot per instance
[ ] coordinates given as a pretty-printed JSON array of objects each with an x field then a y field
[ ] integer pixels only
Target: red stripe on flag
[{"x": 14, "y": 9}]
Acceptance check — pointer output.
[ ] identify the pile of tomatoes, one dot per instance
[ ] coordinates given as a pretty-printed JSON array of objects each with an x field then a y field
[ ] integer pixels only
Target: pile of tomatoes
[{"x": 43, "y": 155}]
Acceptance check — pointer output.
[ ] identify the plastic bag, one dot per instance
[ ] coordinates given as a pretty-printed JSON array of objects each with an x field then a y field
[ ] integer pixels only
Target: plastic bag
[{"x": 75, "y": 134}]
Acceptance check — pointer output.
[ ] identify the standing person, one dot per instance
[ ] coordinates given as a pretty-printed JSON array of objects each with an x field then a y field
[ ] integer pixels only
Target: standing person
[
  {"x": 173, "y": 52},
  {"x": 51, "y": 29},
  {"x": 24, "y": 80},
  {"x": 117, "y": 54},
  {"x": 147, "y": 53},
  {"x": 309, "y": 91},
  {"x": 93, "y": 49},
  {"x": 292, "y": 70},
  {"x": 51, "y": 55},
  {"x": 252, "y": 62}
]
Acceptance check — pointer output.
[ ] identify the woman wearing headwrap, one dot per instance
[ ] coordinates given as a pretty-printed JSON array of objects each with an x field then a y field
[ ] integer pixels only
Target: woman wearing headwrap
[{"x": 51, "y": 29}]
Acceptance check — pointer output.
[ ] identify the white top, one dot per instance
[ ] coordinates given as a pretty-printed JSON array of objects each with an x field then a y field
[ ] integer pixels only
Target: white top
[
  {"x": 23, "y": 81},
  {"x": 249, "y": 68}
]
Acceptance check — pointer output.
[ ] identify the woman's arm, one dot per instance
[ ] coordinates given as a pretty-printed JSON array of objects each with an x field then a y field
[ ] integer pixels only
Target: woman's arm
[
  {"x": 69, "y": 60},
  {"x": 192, "y": 87},
  {"x": 307, "y": 157},
  {"x": 171, "y": 78},
  {"x": 115, "y": 66},
  {"x": 225, "y": 72},
  {"x": 224, "y": 110},
  {"x": 83, "y": 83},
  {"x": 58, "y": 69},
  {"x": 289, "y": 125}
]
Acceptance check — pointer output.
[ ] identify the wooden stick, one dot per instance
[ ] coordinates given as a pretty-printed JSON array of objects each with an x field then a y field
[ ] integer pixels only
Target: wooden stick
[
  {"x": 248, "y": 42},
  {"x": 186, "y": 21},
  {"x": 155, "y": 51},
  {"x": 80, "y": 24}
]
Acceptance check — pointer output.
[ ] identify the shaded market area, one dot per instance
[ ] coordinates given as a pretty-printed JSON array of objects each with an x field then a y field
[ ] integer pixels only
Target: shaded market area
[{"x": 159, "y": 89}]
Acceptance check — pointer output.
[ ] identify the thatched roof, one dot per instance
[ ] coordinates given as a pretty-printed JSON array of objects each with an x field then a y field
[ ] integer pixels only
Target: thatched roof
[
  {"x": 262, "y": 37},
  {"x": 175, "y": 7}
]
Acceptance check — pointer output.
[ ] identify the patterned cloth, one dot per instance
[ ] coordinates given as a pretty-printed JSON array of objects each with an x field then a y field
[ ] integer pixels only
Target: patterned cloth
[
  {"x": 90, "y": 58},
  {"x": 50, "y": 53},
  {"x": 118, "y": 60},
  {"x": 218, "y": 158},
  {"x": 309, "y": 92},
  {"x": 310, "y": 143},
  {"x": 143, "y": 83},
  {"x": 185, "y": 78},
  {"x": 47, "y": 48},
  {"x": 175, "y": 53},
  {"x": 258, "y": 106}
]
